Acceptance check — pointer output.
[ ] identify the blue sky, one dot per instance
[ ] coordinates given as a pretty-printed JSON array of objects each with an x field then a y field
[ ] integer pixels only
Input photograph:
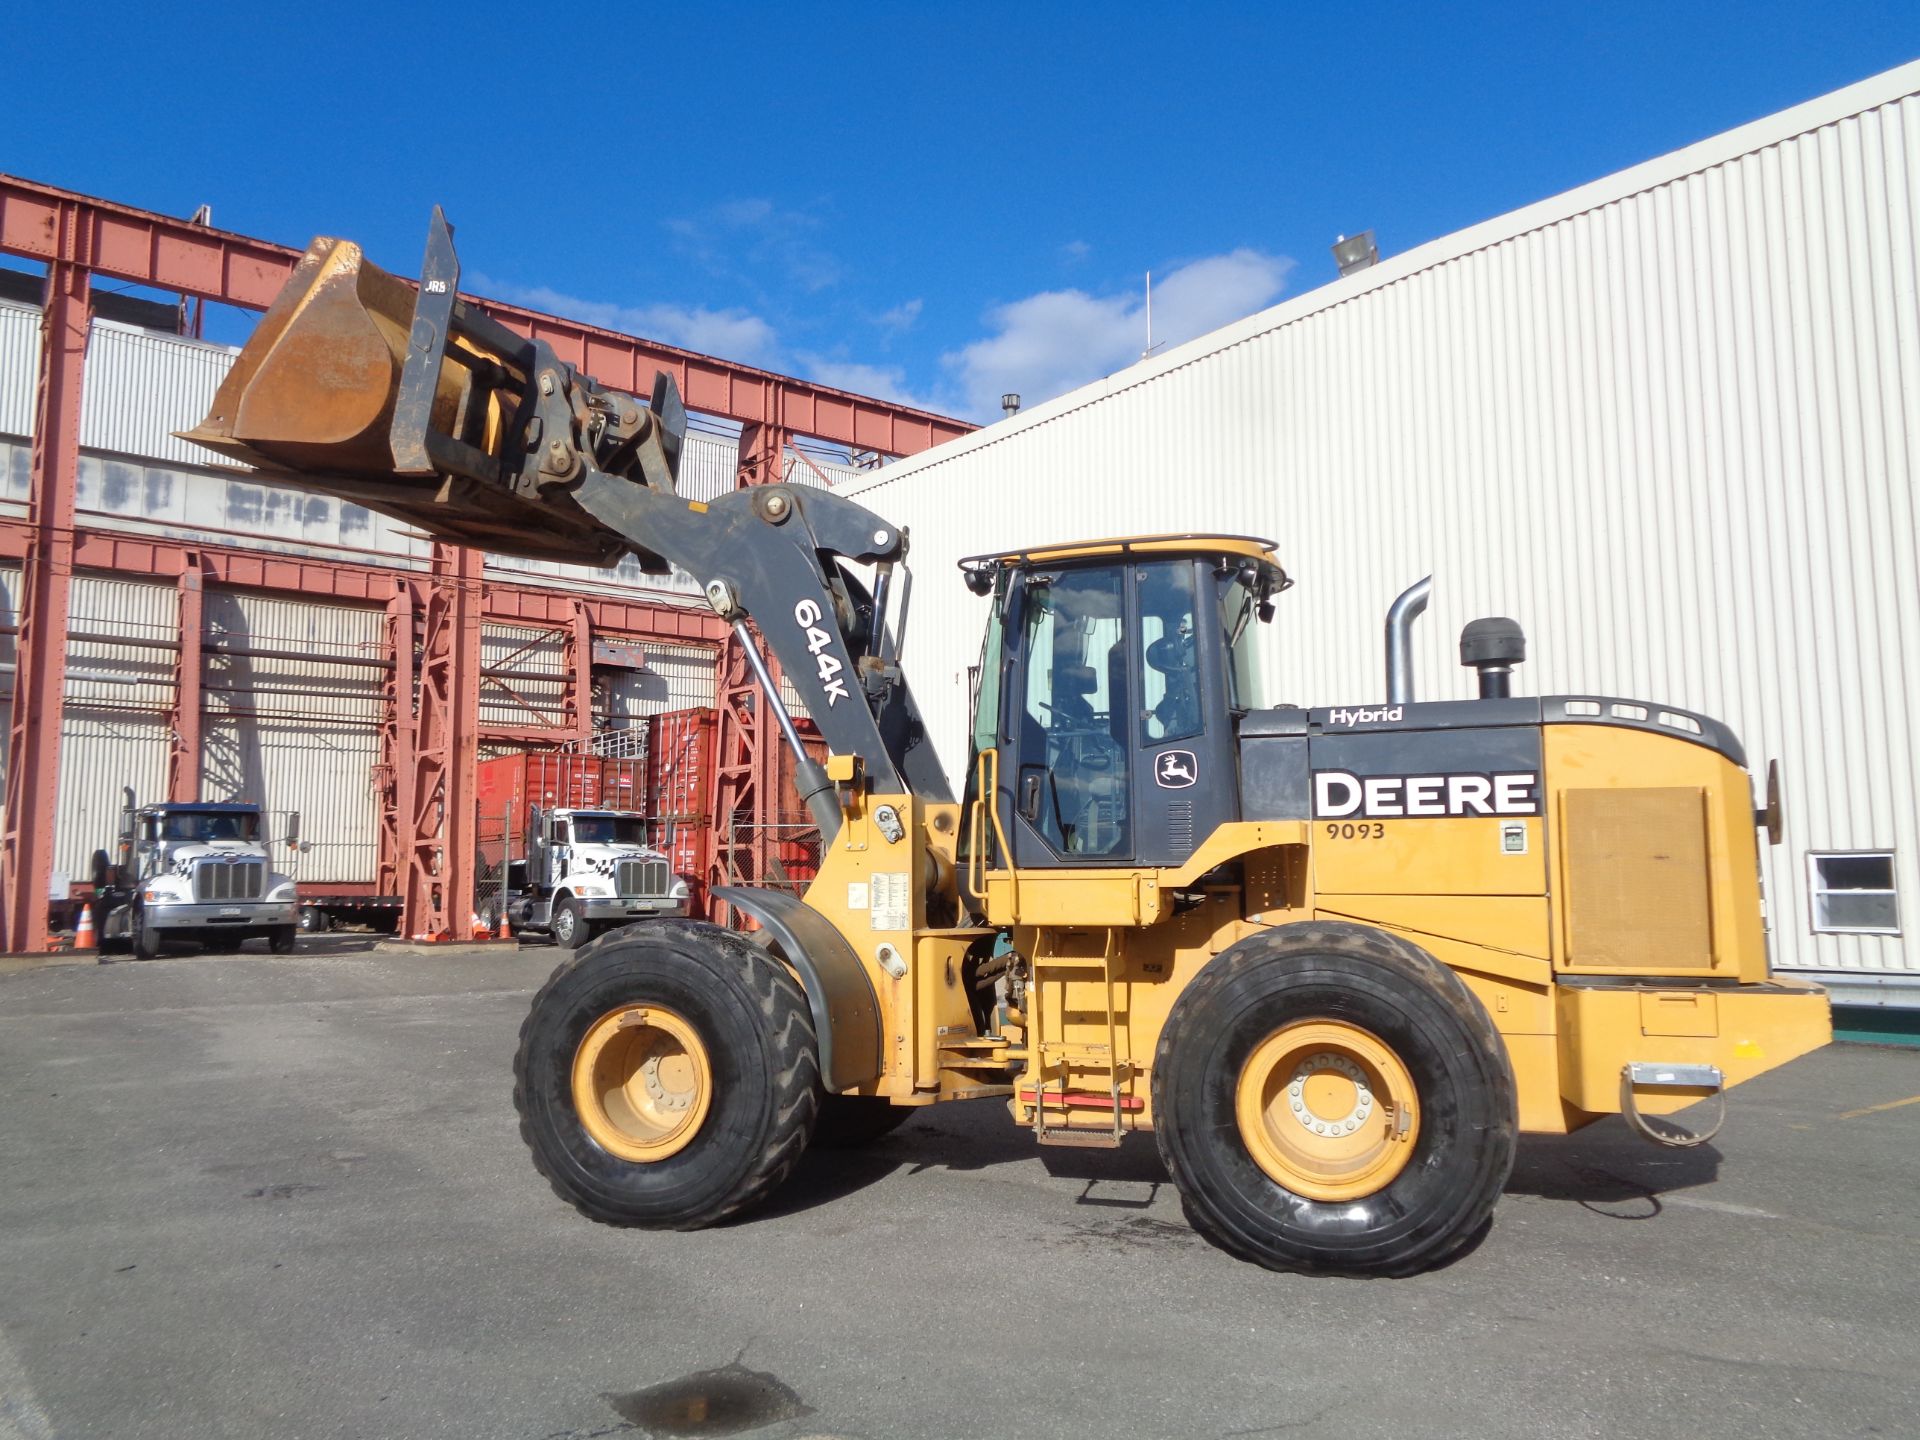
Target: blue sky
[{"x": 934, "y": 203}]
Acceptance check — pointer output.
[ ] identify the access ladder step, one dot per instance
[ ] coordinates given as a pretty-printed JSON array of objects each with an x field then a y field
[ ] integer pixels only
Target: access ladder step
[{"x": 1085, "y": 1138}]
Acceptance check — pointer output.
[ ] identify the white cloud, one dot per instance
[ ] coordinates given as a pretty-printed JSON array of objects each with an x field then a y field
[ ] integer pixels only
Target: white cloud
[
  {"x": 901, "y": 317},
  {"x": 759, "y": 233},
  {"x": 1051, "y": 342},
  {"x": 1074, "y": 251},
  {"x": 728, "y": 334}
]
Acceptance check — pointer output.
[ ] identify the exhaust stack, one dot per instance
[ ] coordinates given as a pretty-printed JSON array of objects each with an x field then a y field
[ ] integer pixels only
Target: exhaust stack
[{"x": 1400, "y": 617}]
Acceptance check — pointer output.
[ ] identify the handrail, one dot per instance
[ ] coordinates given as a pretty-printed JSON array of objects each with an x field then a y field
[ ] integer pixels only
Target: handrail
[{"x": 987, "y": 800}]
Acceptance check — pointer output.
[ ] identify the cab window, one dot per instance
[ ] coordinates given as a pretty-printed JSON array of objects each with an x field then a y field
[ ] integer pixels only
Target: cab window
[
  {"x": 1170, "y": 682},
  {"x": 1239, "y": 609},
  {"x": 1073, "y": 762}
]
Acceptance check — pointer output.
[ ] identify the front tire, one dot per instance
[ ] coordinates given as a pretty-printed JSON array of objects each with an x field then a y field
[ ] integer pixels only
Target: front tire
[
  {"x": 146, "y": 939},
  {"x": 280, "y": 939},
  {"x": 667, "y": 1077},
  {"x": 569, "y": 928},
  {"x": 1328, "y": 1097}
]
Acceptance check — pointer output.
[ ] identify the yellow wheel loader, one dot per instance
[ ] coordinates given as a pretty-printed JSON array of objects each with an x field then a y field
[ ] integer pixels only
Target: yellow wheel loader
[{"x": 1334, "y": 959}]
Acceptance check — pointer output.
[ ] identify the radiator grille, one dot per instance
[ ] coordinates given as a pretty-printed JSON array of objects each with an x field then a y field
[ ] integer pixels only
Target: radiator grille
[
  {"x": 1637, "y": 879},
  {"x": 642, "y": 877},
  {"x": 229, "y": 880}
]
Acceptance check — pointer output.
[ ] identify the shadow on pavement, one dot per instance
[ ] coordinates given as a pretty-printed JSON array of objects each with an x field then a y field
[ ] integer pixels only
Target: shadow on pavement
[{"x": 1609, "y": 1170}]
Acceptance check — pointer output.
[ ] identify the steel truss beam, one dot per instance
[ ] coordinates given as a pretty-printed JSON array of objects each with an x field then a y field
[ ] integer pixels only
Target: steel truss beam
[
  {"x": 438, "y": 886},
  {"x": 46, "y": 567},
  {"x": 183, "y": 752}
]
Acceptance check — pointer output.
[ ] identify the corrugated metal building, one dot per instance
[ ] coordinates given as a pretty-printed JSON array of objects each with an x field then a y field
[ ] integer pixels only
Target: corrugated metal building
[{"x": 1670, "y": 421}]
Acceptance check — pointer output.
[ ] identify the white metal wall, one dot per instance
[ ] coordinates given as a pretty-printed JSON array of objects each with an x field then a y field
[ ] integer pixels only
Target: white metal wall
[
  {"x": 677, "y": 677},
  {"x": 19, "y": 356},
  {"x": 1670, "y": 422},
  {"x": 298, "y": 728},
  {"x": 534, "y": 696},
  {"x": 114, "y": 729}
]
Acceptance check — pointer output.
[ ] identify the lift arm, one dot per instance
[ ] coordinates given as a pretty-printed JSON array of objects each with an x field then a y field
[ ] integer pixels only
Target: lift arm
[{"x": 410, "y": 401}]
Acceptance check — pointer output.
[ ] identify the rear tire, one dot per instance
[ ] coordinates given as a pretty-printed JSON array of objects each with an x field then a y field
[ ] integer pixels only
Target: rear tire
[
  {"x": 712, "y": 1100},
  {"x": 849, "y": 1121},
  {"x": 1328, "y": 1097},
  {"x": 314, "y": 921}
]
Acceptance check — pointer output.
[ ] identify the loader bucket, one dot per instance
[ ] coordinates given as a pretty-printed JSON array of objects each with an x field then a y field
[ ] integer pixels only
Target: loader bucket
[
  {"x": 314, "y": 388},
  {"x": 408, "y": 400}
]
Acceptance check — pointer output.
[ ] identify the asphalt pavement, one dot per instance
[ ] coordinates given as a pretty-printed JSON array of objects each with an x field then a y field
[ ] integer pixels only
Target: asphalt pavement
[{"x": 265, "y": 1196}]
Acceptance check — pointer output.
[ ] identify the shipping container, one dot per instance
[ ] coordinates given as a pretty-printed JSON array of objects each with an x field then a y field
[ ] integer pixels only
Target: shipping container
[{"x": 680, "y": 792}]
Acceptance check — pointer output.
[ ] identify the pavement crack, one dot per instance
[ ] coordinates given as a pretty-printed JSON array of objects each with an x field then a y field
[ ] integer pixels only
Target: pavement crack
[{"x": 1312, "y": 1419}]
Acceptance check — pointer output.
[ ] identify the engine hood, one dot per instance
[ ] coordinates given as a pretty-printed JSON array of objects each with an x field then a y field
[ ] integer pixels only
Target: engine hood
[
  {"x": 179, "y": 856},
  {"x": 604, "y": 859}
]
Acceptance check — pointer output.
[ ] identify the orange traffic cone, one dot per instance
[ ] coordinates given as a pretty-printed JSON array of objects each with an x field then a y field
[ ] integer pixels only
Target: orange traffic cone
[
  {"x": 476, "y": 929},
  {"x": 506, "y": 930},
  {"x": 83, "y": 933}
]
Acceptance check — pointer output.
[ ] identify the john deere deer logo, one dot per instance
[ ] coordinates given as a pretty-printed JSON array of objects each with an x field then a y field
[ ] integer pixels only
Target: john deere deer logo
[{"x": 1175, "y": 769}]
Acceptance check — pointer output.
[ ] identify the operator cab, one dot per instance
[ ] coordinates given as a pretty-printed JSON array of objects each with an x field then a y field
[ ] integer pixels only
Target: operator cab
[{"x": 1110, "y": 684}]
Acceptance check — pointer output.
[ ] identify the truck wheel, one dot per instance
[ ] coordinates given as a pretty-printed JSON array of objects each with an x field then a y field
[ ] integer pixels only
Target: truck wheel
[
  {"x": 1328, "y": 1097},
  {"x": 569, "y": 929},
  {"x": 280, "y": 939},
  {"x": 667, "y": 1077},
  {"x": 146, "y": 939},
  {"x": 314, "y": 921},
  {"x": 849, "y": 1121}
]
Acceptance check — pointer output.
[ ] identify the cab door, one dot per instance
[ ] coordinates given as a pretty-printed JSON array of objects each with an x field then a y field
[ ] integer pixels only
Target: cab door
[
  {"x": 1117, "y": 738},
  {"x": 1066, "y": 740}
]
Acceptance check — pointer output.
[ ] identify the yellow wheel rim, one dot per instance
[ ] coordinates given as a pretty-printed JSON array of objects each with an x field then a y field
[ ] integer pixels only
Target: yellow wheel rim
[
  {"x": 1327, "y": 1110},
  {"x": 642, "y": 1083}
]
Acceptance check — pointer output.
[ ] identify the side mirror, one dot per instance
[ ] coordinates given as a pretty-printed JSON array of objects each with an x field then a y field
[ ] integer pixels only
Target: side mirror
[
  {"x": 293, "y": 830},
  {"x": 1773, "y": 819}
]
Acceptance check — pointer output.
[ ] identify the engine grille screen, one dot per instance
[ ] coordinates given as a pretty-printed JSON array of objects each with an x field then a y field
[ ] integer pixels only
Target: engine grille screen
[
  {"x": 1637, "y": 879},
  {"x": 642, "y": 877},
  {"x": 221, "y": 880}
]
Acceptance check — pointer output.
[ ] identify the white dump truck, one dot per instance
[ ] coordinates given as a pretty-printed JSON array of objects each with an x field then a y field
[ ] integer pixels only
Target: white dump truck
[
  {"x": 197, "y": 871},
  {"x": 564, "y": 849}
]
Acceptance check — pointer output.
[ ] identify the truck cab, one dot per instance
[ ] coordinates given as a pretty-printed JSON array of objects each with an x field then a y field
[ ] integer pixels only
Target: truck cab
[
  {"x": 588, "y": 870},
  {"x": 193, "y": 871}
]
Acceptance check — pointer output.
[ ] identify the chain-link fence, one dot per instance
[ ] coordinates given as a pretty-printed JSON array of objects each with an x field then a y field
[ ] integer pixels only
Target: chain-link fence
[
  {"x": 493, "y": 853},
  {"x": 773, "y": 857}
]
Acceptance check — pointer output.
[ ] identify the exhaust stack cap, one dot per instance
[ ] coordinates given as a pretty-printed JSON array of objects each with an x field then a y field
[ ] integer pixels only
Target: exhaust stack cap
[{"x": 1493, "y": 646}]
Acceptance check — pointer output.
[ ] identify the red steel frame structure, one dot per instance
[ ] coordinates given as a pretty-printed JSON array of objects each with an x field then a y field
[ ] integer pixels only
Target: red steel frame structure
[{"x": 428, "y": 751}]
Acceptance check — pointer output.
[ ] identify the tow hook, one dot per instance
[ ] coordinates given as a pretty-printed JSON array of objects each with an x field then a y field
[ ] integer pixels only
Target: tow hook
[{"x": 1637, "y": 1074}]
